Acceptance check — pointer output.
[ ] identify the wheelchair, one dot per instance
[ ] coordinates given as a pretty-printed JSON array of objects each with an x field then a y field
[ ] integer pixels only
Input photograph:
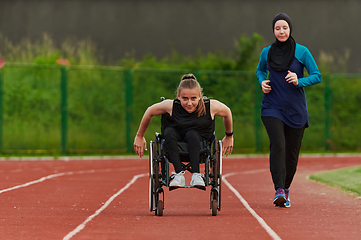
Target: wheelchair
[{"x": 159, "y": 175}]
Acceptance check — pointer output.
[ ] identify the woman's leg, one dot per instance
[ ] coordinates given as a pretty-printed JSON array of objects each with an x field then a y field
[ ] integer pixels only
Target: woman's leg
[
  {"x": 293, "y": 145},
  {"x": 275, "y": 130},
  {"x": 172, "y": 136},
  {"x": 193, "y": 141}
]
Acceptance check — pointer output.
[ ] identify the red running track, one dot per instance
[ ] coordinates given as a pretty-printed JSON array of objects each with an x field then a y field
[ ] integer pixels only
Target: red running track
[{"x": 108, "y": 199}]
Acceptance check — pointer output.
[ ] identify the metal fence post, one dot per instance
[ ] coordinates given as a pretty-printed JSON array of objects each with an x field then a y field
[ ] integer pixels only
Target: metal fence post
[
  {"x": 129, "y": 108},
  {"x": 64, "y": 110},
  {"x": 257, "y": 120},
  {"x": 1, "y": 111},
  {"x": 328, "y": 100}
]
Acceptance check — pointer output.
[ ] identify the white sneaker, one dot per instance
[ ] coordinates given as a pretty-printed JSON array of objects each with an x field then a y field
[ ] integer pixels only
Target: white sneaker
[
  {"x": 178, "y": 180},
  {"x": 197, "y": 180}
]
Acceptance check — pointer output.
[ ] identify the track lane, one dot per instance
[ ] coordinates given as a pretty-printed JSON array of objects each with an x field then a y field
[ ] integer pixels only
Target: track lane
[
  {"x": 102, "y": 208},
  {"x": 249, "y": 208},
  {"x": 55, "y": 207},
  {"x": 186, "y": 215},
  {"x": 317, "y": 211},
  {"x": 52, "y": 208}
]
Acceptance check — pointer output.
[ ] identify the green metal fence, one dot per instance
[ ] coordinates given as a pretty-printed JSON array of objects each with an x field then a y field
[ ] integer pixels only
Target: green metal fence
[
  {"x": 343, "y": 99},
  {"x": 53, "y": 109},
  {"x": 62, "y": 110}
]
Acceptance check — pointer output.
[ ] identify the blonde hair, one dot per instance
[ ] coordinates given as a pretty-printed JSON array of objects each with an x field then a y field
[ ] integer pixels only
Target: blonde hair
[{"x": 189, "y": 81}]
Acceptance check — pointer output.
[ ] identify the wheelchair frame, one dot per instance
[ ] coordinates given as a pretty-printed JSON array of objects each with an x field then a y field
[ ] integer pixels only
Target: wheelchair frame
[{"x": 160, "y": 177}]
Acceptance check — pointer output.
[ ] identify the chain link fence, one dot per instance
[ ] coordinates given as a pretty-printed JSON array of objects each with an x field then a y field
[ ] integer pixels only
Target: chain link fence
[{"x": 58, "y": 110}]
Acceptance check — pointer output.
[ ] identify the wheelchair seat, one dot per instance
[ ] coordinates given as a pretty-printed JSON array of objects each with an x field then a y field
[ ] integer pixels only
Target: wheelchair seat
[{"x": 183, "y": 150}]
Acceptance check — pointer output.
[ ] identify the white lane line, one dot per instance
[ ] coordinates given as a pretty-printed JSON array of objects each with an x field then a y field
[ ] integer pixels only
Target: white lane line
[
  {"x": 36, "y": 181},
  {"x": 59, "y": 175},
  {"x": 246, "y": 205},
  {"x": 81, "y": 226}
]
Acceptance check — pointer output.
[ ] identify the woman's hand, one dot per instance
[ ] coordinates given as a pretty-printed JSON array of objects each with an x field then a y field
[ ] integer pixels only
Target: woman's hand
[
  {"x": 292, "y": 78},
  {"x": 266, "y": 88},
  {"x": 140, "y": 144},
  {"x": 227, "y": 145}
]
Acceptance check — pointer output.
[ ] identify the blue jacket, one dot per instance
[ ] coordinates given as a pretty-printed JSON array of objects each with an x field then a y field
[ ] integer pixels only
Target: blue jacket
[{"x": 287, "y": 101}]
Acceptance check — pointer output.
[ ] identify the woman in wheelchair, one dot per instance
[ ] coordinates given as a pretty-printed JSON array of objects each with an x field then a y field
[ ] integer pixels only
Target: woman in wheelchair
[{"x": 193, "y": 121}]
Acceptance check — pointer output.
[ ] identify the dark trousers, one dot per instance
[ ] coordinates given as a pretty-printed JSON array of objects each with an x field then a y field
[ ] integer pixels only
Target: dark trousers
[
  {"x": 193, "y": 140},
  {"x": 285, "y": 144}
]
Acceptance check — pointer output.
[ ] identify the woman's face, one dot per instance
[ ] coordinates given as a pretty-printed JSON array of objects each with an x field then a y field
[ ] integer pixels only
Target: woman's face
[
  {"x": 281, "y": 30},
  {"x": 189, "y": 98}
]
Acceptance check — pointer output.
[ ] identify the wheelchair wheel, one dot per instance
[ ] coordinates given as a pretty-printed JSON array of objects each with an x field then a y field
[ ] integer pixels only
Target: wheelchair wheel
[
  {"x": 219, "y": 173},
  {"x": 216, "y": 177},
  {"x": 159, "y": 209},
  {"x": 214, "y": 207},
  {"x": 151, "y": 177},
  {"x": 157, "y": 186},
  {"x": 155, "y": 190}
]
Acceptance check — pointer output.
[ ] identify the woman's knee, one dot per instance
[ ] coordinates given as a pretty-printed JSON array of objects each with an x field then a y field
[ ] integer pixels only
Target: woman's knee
[
  {"x": 192, "y": 135},
  {"x": 171, "y": 133}
]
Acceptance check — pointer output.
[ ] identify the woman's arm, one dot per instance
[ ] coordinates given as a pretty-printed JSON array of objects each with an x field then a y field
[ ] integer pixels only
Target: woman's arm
[
  {"x": 140, "y": 144},
  {"x": 305, "y": 57},
  {"x": 262, "y": 71},
  {"x": 220, "y": 109}
]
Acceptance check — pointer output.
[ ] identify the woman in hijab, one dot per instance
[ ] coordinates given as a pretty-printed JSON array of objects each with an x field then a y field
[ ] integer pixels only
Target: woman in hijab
[{"x": 284, "y": 107}]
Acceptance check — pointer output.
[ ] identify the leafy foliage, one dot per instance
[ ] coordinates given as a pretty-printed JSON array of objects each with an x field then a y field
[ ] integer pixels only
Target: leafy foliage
[{"x": 96, "y": 97}]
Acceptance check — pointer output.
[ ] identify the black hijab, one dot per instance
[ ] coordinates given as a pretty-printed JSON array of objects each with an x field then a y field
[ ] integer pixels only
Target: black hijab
[{"x": 281, "y": 54}]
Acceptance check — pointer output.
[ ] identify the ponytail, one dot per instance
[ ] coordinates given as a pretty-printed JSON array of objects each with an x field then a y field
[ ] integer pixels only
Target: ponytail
[{"x": 201, "y": 107}]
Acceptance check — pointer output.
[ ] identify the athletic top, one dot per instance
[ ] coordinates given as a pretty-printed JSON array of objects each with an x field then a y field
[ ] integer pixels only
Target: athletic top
[
  {"x": 286, "y": 101},
  {"x": 184, "y": 121}
]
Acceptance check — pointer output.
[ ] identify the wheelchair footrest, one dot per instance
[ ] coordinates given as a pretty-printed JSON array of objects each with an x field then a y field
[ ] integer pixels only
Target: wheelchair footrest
[{"x": 199, "y": 187}]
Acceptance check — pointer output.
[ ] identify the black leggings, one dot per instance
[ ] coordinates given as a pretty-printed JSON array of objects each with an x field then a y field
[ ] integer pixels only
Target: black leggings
[
  {"x": 285, "y": 144},
  {"x": 192, "y": 138}
]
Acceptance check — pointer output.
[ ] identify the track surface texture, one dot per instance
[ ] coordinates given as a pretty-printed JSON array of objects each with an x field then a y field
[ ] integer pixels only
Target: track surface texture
[{"x": 108, "y": 199}]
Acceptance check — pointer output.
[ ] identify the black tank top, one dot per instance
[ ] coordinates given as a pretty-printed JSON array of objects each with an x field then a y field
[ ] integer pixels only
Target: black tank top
[{"x": 185, "y": 121}]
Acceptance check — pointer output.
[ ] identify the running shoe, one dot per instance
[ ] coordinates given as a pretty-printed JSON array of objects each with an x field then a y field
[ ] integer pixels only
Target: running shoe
[
  {"x": 178, "y": 180},
  {"x": 197, "y": 180},
  {"x": 288, "y": 202},
  {"x": 280, "y": 198}
]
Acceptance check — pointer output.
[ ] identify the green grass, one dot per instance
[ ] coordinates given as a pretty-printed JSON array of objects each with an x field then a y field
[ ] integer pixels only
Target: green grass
[{"x": 348, "y": 179}]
